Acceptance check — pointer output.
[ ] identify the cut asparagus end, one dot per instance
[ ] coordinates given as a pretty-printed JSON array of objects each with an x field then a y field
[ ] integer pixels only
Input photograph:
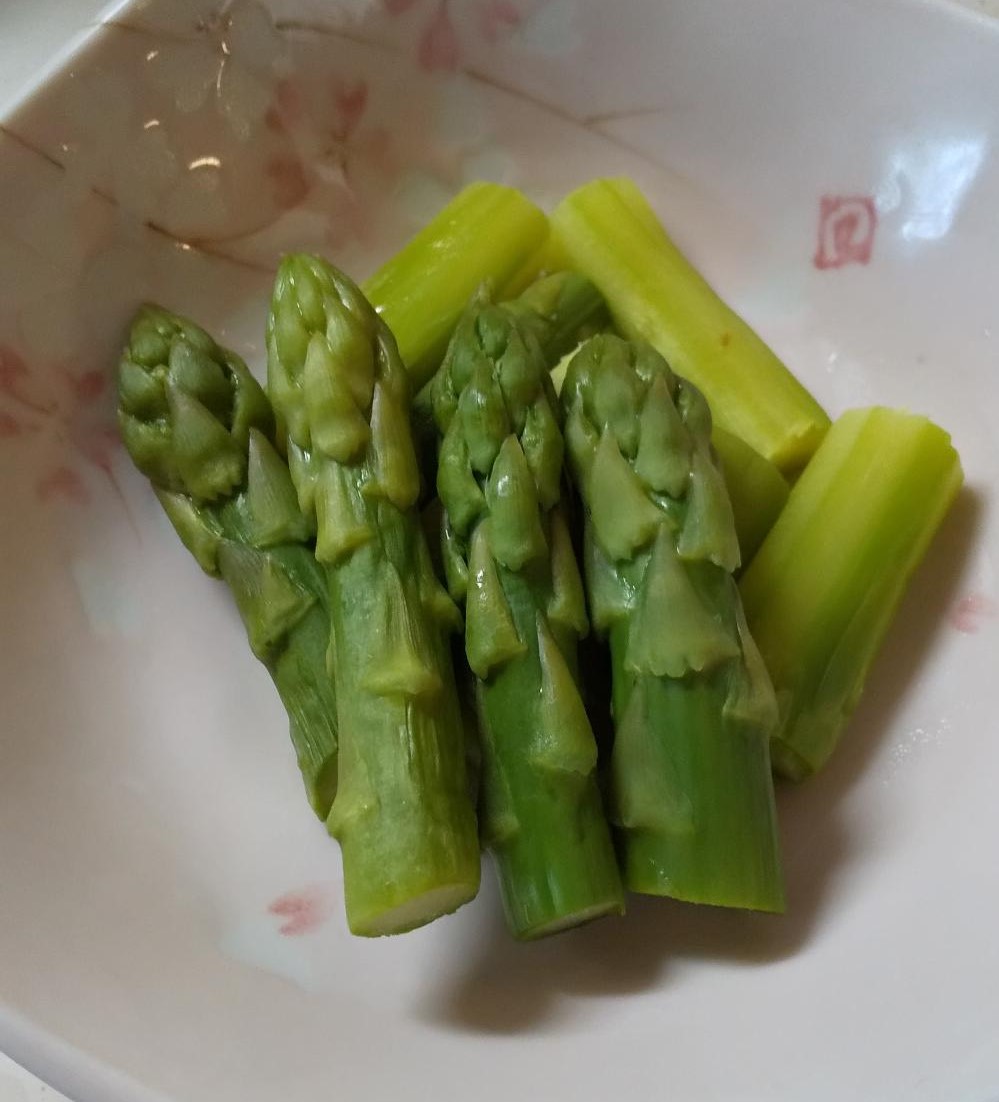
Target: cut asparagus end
[
  {"x": 581, "y": 916},
  {"x": 825, "y": 585},
  {"x": 486, "y": 234},
  {"x": 612, "y": 235},
  {"x": 416, "y": 911}
]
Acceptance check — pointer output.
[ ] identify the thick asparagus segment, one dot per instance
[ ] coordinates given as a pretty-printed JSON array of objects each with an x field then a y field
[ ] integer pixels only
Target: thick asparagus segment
[
  {"x": 403, "y": 813},
  {"x": 693, "y": 706},
  {"x": 508, "y": 556},
  {"x": 654, "y": 294},
  {"x": 824, "y": 586},
  {"x": 198, "y": 425},
  {"x": 757, "y": 490},
  {"x": 486, "y": 234}
]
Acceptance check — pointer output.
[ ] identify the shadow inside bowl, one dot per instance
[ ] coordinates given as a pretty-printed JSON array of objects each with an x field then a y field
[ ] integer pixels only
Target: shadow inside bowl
[{"x": 503, "y": 987}]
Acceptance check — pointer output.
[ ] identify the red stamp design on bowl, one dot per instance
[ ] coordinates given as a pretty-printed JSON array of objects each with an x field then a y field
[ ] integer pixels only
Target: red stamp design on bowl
[
  {"x": 303, "y": 911},
  {"x": 969, "y": 612},
  {"x": 847, "y": 224}
]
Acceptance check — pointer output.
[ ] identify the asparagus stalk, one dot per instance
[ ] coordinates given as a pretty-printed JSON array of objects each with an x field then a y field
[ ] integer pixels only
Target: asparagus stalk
[
  {"x": 403, "y": 814},
  {"x": 198, "y": 425},
  {"x": 690, "y": 781},
  {"x": 549, "y": 257},
  {"x": 612, "y": 236},
  {"x": 508, "y": 556},
  {"x": 825, "y": 585},
  {"x": 563, "y": 308},
  {"x": 757, "y": 490},
  {"x": 487, "y": 233}
]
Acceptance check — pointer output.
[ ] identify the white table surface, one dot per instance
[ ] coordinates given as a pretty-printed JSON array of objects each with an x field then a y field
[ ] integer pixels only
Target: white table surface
[{"x": 42, "y": 44}]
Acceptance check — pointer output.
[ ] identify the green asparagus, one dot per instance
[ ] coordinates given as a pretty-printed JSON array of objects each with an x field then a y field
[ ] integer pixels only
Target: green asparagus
[
  {"x": 198, "y": 425},
  {"x": 560, "y": 309},
  {"x": 825, "y": 585},
  {"x": 612, "y": 236},
  {"x": 693, "y": 706},
  {"x": 508, "y": 556},
  {"x": 487, "y": 233},
  {"x": 403, "y": 814},
  {"x": 757, "y": 490},
  {"x": 563, "y": 309}
]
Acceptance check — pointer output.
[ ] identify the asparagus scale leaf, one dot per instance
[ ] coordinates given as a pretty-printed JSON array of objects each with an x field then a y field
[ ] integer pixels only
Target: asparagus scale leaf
[
  {"x": 509, "y": 559},
  {"x": 691, "y": 788},
  {"x": 825, "y": 584},
  {"x": 403, "y": 813},
  {"x": 198, "y": 425}
]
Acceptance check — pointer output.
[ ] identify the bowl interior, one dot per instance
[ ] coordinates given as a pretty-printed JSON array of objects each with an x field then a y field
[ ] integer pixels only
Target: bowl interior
[{"x": 170, "y": 916}]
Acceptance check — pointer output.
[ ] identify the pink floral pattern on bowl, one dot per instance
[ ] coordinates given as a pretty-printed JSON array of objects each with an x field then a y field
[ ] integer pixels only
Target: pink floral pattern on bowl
[{"x": 69, "y": 411}]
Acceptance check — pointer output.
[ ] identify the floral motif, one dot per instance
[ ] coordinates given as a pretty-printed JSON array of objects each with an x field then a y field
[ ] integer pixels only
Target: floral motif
[
  {"x": 302, "y": 911},
  {"x": 71, "y": 413},
  {"x": 971, "y": 611},
  {"x": 439, "y": 45},
  {"x": 332, "y": 144}
]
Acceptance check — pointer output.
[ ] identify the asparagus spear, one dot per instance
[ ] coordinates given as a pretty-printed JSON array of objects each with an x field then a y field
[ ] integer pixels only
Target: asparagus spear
[
  {"x": 198, "y": 425},
  {"x": 403, "y": 814},
  {"x": 825, "y": 585},
  {"x": 508, "y": 556},
  {"x": 693, "y": 706},
  {"x": 757, "y": 490},
  {"x": 612, "y": 236},
  {"x": 487, "y": 233}
]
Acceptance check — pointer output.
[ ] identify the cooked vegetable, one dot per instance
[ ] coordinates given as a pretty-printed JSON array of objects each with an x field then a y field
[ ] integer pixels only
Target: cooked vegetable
[
  {"x": 757, "y": 490},
  {"x": 560, "y": 309},
  {"x": 508, "y": 556},
  {"x": 198, "y": 425},
  {"x": 403, "y": 813},
  {"x": 690, "y": 778},
  {"x": 308, "y": 510},
  {"x": 612, "y": 236},
  {"x": 824, "y": 586},
  {"x": 486, "y": 234}
]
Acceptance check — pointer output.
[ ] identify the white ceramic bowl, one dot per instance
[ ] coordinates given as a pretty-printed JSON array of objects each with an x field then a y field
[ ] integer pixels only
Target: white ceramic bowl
[{"x": 170, "y": 919}]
